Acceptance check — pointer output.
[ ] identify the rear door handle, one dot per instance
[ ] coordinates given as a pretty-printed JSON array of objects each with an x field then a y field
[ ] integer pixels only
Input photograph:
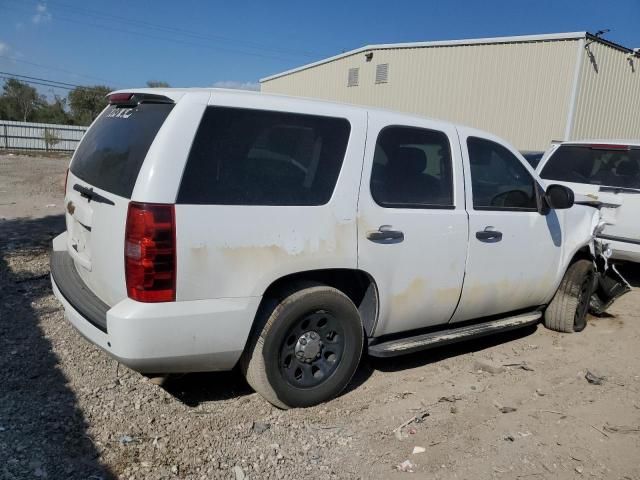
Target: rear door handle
[
  {"x": 385, "y": 234},
  {"x": 489, "y": 235}
]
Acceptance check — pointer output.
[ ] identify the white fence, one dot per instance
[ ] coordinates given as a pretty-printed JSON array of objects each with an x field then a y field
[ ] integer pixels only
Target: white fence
[{"x": 39, "y": 136}]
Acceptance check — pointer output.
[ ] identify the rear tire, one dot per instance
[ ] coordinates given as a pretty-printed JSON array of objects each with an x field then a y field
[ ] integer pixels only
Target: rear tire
[
  {"x": 306, "y": 348},
  {"x": 567, "y": 312}
]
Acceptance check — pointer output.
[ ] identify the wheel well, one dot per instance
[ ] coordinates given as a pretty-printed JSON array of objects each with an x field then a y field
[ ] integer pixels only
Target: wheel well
[
  {"x": 355, "y": 284},
  {"x": 583, "y": 254}
]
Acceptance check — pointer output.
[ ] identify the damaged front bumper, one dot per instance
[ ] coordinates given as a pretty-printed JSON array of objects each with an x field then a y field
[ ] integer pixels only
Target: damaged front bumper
[{"x": 608, "y": 284}]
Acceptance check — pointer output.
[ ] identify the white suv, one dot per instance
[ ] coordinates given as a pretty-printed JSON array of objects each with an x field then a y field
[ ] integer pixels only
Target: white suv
[
  {"x": 207, "y": 228},
  {"x": 606, "y": 169}
]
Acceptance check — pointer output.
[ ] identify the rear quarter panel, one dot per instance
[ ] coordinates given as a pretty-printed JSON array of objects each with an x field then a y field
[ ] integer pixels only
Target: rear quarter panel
[{"x": 238, "y": 251}]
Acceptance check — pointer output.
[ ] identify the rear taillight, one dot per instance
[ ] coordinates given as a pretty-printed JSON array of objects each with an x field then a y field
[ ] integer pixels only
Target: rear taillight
[{"x": 150, "y": 252}]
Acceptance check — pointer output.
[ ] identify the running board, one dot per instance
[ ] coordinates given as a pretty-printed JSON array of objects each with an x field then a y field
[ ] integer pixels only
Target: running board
[{"x": 425, "y": 341}]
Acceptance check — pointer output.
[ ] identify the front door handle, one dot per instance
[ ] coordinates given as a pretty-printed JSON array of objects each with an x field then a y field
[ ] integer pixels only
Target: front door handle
[
  {"x": 489, "y": 235},
  {"x": 385, "y": 234}
]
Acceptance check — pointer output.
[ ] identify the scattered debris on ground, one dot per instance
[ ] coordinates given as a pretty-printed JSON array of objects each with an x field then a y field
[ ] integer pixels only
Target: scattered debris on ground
[
  {"x": 406, "y": 466},
  {"x": 594, "y": 379},
  {"x": 485, "y": 366}
]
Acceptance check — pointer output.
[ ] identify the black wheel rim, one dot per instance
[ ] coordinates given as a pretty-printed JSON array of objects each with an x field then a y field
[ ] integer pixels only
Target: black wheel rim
[
  {"x": 312, "y": 349},
  {"x": 580, "y": 318}
]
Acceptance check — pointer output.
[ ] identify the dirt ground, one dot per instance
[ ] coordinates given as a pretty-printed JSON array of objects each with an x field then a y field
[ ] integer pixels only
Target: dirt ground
[{"x": 68, "y": 411}]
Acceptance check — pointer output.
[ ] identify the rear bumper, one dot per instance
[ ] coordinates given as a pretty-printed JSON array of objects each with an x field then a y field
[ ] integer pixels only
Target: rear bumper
[
  {"x": 70, "y": 286},
  {"x": 627, "y": 250},
  {"x": 202, "y": 335}
]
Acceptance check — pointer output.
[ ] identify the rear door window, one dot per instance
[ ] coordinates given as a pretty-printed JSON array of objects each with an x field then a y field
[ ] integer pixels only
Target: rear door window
[
  {"x": 113, "y": 149},
  {"x": 412, "y": 169},
  {"x": 594, "y": 165},
  {"x": 256, "y": 157},
  {"x": 499, "y": 180}
]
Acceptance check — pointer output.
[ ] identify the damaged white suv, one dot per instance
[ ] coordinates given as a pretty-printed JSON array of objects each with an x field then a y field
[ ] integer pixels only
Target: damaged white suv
[
  {"x": 610, "y": 172},
  {"x": 210, "y": 228}
]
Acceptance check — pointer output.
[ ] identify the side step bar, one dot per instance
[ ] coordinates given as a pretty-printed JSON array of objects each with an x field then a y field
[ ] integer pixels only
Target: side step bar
[{"x": 425, "y": 341}]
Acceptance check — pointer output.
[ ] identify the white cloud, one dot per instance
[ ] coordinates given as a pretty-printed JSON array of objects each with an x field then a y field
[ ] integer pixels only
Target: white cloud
[
  {"x": 4, "y": 48},
  {"x": 43, "y": 15},
  {"x": 237, "y": 85}
]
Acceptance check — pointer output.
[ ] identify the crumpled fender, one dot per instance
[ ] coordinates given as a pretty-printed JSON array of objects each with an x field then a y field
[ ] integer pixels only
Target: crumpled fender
[
  {"x": 609, "y": 285},
  {"x": 583, "y": 223}
]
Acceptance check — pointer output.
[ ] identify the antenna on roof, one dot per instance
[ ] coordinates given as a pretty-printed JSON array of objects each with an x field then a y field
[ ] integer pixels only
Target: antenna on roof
[{"x": 596, "y": 35}]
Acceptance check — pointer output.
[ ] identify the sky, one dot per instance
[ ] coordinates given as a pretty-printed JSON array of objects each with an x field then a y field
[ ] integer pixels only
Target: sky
[{"x": 188, "y": 43}]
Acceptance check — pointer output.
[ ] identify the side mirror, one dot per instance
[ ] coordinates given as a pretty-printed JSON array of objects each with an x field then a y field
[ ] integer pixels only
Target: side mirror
[{"x": 559, "y": 197}]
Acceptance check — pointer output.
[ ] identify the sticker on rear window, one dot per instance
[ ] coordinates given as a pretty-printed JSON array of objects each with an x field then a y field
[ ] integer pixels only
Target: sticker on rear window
[{"x": 120, "y": 113}]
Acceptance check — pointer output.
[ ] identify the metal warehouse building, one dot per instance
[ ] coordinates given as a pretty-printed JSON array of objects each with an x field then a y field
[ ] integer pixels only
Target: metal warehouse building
[{"x": 527, "y": 89}]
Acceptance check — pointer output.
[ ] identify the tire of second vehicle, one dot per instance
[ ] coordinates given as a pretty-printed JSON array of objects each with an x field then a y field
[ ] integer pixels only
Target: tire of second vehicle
[
  {"x": 260, "y": 363},
  {"x": 568, "y": 310}
]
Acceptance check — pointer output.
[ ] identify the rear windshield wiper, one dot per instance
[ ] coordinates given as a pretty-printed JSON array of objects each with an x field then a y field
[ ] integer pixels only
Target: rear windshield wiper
[
  {"x": 89, "y": 194},
  {"x": 620, "y": 190}
]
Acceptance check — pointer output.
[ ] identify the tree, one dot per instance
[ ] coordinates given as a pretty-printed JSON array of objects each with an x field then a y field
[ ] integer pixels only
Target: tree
[
  {"x": 55, "y": 112},
  {"x": 50, "y": 138},
  {"x": 4, "y": 110},
  {"x": 87, "y": 102},
  {"x": 157, "y": 84},
  {"x": 20, "y": 100}
]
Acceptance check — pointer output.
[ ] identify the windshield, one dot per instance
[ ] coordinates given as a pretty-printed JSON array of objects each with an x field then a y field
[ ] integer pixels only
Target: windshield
[
  {"x": 112, "y": 151},
  {"x": 595, "y": 166}
]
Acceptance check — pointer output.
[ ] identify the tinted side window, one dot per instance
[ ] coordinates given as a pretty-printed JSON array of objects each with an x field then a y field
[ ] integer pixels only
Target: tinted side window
[
  {"x": 112, "y": 151},
  {"x": 255, "y": 157},
  {"x": 499, "y": 180},
  {"x": 412, "y": 169}
]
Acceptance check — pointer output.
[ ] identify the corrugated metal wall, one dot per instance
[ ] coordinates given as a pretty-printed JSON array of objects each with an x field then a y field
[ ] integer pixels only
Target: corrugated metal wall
[
  {"x": 519, "y": 91},
  {"x": 39, "y": 136},
  {"x": 608, "y": 104}
]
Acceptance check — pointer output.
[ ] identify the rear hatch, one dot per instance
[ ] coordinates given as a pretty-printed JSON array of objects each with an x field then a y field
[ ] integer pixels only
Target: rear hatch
[
  {"x": 101, "y": 179},
  {"x": 602, "y": 170}
]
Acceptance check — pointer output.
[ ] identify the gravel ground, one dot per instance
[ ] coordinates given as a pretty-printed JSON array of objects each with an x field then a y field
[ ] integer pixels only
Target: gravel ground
[{"x": 69, "y": 411}]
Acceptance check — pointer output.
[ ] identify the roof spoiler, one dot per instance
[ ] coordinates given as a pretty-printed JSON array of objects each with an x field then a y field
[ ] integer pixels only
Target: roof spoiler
[{"x": 134, "y": 99}]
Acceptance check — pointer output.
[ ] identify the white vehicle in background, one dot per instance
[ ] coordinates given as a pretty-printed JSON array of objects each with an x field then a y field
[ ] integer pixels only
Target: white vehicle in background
[
  {"x": 210, "y": 228},
  {"x": 610, "y": 172}
]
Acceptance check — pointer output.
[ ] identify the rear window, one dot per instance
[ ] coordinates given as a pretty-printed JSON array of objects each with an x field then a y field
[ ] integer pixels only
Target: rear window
[
  {"x": 255, "y": 157},
  {"x": 113, "y": 149},
  {"x": 596, "y": 166}
]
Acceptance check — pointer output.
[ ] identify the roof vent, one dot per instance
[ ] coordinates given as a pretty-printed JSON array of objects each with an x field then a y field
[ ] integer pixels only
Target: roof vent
[
  {"x": 354, "y": 74},
  {"x": 382, "y": 73}
]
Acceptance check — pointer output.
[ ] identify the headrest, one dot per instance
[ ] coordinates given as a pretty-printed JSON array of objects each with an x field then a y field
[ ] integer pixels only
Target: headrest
[{"x": 410, "y": 160}]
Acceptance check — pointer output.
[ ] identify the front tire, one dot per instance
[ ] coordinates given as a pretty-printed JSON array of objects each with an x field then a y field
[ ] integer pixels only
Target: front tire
[
  {"x": 306, "y": 349},
  {"x": 567, "y": 312}
]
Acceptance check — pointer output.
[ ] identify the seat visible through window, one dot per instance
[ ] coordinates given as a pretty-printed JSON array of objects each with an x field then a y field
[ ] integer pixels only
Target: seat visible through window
[{"x": 412, "y": 169}]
